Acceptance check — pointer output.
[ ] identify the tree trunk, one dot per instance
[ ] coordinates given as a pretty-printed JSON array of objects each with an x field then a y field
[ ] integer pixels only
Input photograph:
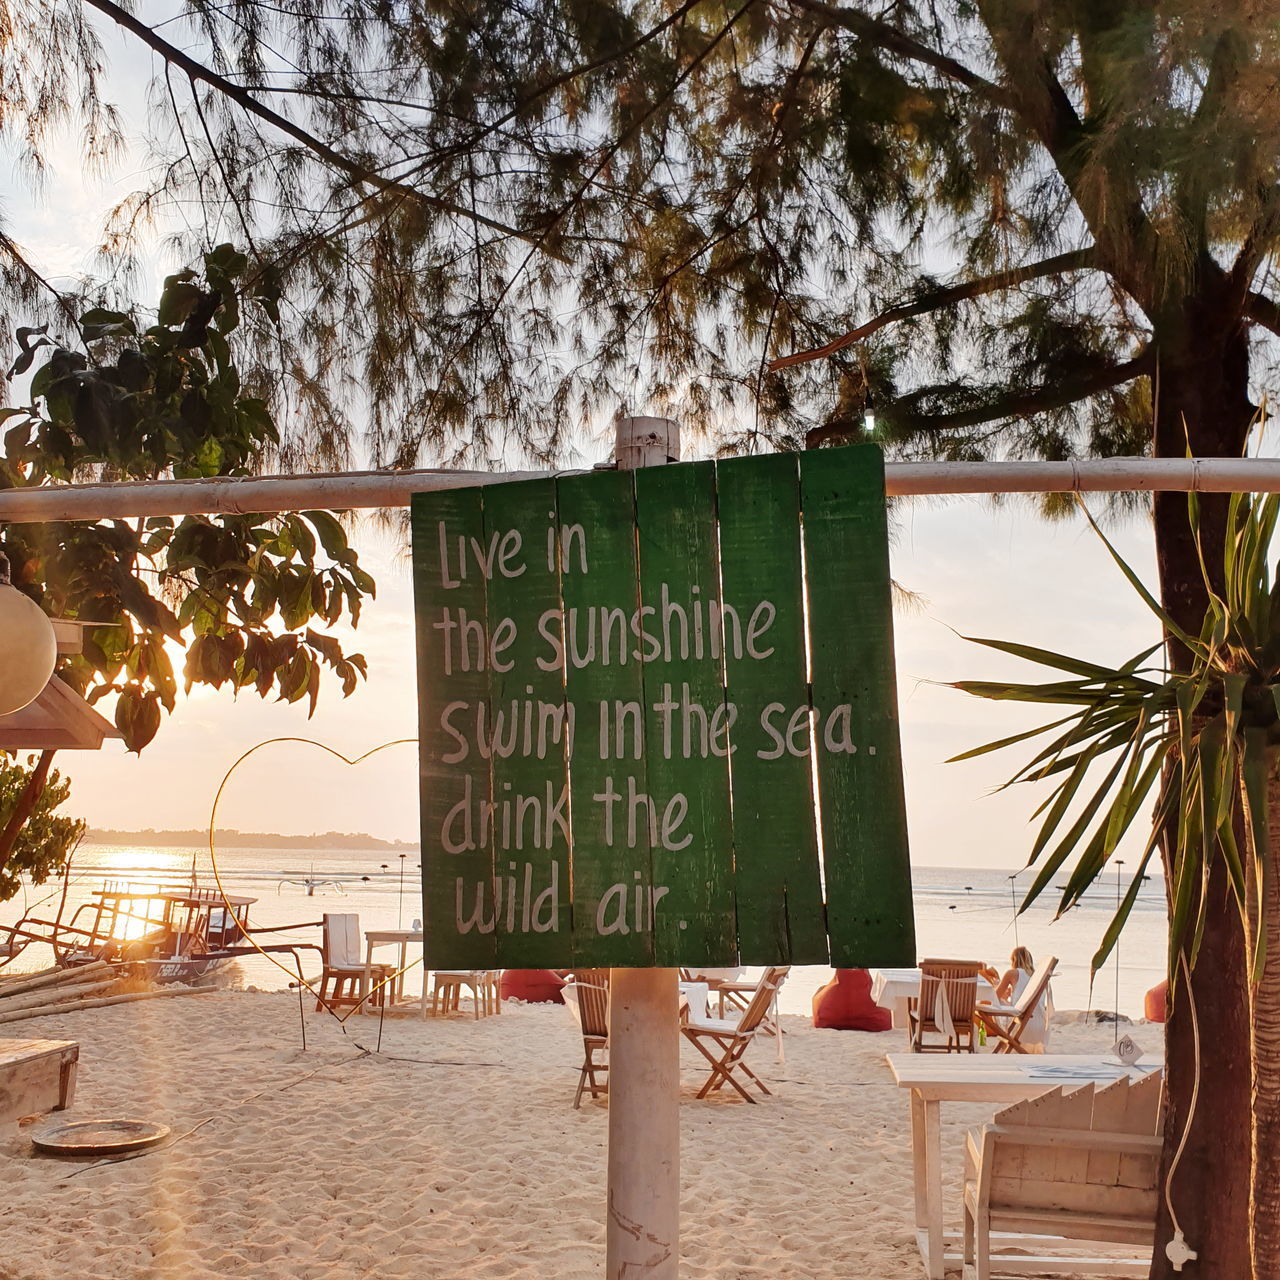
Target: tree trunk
[
  {"x": 1202, "y": 407},
  {"x": 1265, "y": 1201}
]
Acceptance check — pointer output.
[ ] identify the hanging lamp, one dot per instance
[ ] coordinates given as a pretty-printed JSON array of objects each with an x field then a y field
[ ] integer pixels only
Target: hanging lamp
[{"x": 28, "y": 646}]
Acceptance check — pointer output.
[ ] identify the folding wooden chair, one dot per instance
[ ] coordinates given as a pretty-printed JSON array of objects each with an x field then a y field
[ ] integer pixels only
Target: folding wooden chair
[
  {"x": 591, "y": 986},
  {"x": 345, "y": 978},
  {"x": 948, "y": 994},
  {"x": 1007, "y": 1022},
  {"x": 723, "y": 1042},
  {"x": 734, "y": 996}
]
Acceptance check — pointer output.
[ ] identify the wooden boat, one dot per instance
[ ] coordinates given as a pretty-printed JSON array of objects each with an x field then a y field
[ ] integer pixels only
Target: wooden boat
[{"x": 166, "y": 934}]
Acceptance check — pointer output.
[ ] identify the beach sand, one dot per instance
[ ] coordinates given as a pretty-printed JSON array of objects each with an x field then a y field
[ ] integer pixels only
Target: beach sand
[{"x": 455, "y": 1152}]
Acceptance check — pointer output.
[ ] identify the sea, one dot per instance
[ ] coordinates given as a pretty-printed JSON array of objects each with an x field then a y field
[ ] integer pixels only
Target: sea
[{"x": 961, "y": 913}]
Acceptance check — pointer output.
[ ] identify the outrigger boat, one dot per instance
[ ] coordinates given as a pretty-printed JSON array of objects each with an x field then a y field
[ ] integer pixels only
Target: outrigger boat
[{"x": 166, "y": 934}]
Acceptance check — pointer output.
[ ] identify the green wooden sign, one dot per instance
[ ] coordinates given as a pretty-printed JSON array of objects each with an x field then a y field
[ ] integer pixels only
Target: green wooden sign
[{"x": 659, "y": 720}]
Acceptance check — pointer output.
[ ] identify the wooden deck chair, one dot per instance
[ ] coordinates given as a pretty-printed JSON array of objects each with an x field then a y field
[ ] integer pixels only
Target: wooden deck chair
[
  {"x": 734, "y": 995},
  {"x": 1077, "y": 1166},
  {"x": 345, "y": 978},
  {"x": 485, "y": 985},
  {"x": 945, "y": 1005},
  {"x": 1007, "y": 1022},
  {"x": 723, "y": 1042},
  {"x": 591, "y": 986}
]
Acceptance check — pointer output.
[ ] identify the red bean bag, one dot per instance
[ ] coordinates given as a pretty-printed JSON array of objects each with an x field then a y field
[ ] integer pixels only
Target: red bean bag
[
  {"x": 537, "y": 986},
  {"x": 1155, "y": 1004},
  {"x": 845, "y": 1004}
]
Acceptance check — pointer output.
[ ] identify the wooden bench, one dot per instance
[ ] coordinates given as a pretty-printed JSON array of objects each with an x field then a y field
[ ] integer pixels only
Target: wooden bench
[
  {"x": 35, "y": 1076},
  {"x": 1078, "y": 1166}
]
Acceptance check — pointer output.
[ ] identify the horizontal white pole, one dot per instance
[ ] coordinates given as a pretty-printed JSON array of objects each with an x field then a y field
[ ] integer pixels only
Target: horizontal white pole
[
  {"x": 357, "y": 490},
  {"x": 1109, "y": 475}
]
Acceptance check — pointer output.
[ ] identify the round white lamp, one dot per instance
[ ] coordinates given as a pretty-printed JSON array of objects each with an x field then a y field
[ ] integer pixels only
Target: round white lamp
[{"x": 28, "y": 647}]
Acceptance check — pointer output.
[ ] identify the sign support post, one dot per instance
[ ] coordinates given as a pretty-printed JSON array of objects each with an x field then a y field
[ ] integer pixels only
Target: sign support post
[{"x": 642, "y": 1232}]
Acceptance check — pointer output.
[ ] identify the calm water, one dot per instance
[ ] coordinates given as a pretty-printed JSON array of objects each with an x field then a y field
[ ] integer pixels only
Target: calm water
[{"x": 963, "y": 914}]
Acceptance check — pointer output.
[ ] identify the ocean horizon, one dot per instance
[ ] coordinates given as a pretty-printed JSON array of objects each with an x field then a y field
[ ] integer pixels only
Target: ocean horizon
[{"x": 962, "y": 913}]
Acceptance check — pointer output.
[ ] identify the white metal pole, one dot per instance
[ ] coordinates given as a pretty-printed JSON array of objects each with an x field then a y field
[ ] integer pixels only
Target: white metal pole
[
  {"x": 642, "y": 1232},
  {"x": 363, "y": 490}
]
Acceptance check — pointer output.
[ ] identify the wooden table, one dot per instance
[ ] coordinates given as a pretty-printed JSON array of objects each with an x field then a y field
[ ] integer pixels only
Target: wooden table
[
  {"x": 892, "y": 988},
  {"x": 36, "y": 1075},
  {"x": 934, "y": 1078},
  {"x": 402, "y": 938}
]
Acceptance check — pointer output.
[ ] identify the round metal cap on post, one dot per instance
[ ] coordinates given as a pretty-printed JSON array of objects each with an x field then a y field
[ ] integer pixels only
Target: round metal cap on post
[
  {"x": 642, "y": 1232},
  {"x": 28, "y": 646}
]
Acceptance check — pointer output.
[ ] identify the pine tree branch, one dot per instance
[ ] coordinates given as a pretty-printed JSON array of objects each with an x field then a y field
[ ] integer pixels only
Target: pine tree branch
[
  {"x": 1262, "y": 310},
  {"x": 897, "y": 41},
  {"x": 1112, "y": 209},
  {"x": 360, "y": 173},
  {"x": 10, "y": 249},
  {"x": 1010, "y": 403},
  {"x": 936, "y": 299}
]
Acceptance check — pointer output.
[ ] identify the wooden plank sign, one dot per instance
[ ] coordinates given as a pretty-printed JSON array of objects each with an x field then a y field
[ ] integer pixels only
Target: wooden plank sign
[{"x": 659, "y": 719}]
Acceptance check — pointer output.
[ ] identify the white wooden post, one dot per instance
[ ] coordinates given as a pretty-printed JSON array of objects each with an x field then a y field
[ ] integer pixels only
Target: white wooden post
[{"x": 642, "y": 1234}]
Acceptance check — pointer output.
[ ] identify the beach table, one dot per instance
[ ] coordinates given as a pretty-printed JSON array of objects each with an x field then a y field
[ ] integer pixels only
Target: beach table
[
  {"x": 984, "y": 1077},
  {"x": 892, "y": 988},
  {"x": 36, "y": 1075},
  {"x": 402, "y": 938}
]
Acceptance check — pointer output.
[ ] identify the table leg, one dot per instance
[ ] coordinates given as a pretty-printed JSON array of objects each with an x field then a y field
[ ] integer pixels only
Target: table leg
[
  {"x": 364, "y": 977},
  {"x": 919, "y": 1159},
  {"x": 900, "y": 1015},
  {"x": 933, "y": 1186}
]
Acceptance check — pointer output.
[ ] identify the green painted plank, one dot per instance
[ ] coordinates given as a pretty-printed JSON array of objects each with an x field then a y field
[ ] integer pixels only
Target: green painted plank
[
  {"x": 777, "y": 869},
  {"x": 528, "y": 730},
  {"x": 612, "y": 864},
  {"x": 686, "y": 720},
  {"x": 864, "y": 826},
  {"x": 449, "y": 601}
]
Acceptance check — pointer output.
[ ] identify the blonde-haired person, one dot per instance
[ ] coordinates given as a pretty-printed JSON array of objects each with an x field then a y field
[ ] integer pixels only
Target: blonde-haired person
[{"x": 1009, "y": 990}]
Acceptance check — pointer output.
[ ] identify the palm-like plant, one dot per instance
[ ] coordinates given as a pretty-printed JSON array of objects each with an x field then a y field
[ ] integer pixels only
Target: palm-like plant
[{"x": 1203, "y": 740}]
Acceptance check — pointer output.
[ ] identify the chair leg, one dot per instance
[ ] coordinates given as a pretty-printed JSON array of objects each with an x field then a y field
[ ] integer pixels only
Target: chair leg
[
  {"x": 982, "y": 1248},
  {"x": 751, "y": 1075}
]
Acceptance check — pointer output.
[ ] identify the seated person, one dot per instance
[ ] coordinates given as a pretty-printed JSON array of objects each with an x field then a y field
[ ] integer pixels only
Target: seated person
[{"x": 1009, "y": 990}]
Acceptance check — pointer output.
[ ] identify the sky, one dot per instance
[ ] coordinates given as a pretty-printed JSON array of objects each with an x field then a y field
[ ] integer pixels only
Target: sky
[{"x": 974, "y": 566}]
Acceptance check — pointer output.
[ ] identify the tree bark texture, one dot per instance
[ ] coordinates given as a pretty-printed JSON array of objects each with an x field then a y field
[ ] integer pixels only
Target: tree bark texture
[
  {"x": 1202, "y": 407},
  {"x": 1265, "y": 1200}
]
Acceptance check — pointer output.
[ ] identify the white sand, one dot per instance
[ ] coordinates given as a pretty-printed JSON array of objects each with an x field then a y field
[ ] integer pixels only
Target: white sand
[{"x": 454, "y": 1153}]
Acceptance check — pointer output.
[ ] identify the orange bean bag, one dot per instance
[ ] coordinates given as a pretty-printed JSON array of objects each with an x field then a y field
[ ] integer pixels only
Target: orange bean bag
[
  {"x": 845, "y": 1004},
  {"x": 1155, "y": 1004},
  {"x": 537, "y": 986}
]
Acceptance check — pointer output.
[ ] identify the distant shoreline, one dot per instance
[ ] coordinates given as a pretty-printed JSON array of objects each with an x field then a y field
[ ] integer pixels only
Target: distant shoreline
[{"x": 230, "y": 839}]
